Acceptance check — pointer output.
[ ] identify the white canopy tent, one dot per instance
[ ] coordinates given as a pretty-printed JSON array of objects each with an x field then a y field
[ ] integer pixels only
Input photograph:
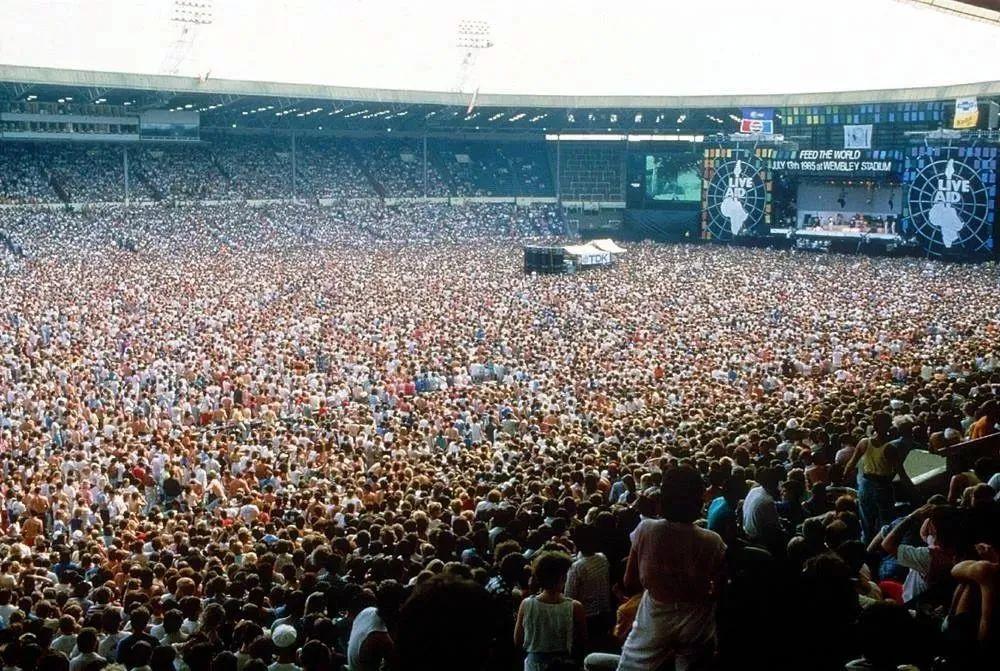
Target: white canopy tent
[
  {"x": 588, "y": 255},
  {"x": 607, "y": 245}
]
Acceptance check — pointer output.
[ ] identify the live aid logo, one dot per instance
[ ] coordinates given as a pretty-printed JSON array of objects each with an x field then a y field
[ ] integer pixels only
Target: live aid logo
[
  {"x": 951, "y": 190},
  {"x": 739, "y": 187}
]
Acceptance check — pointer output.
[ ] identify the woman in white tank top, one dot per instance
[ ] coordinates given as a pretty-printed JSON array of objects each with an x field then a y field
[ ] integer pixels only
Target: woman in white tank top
[{"x": 550, "y": 626}]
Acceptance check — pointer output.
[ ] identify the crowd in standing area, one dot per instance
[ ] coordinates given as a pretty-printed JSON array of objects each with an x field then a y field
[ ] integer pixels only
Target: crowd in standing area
[{"x": 295, "y": 437}]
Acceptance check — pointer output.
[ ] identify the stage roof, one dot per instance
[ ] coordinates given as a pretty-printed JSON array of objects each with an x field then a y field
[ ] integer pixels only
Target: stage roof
[{"x": 547, "y": 53}]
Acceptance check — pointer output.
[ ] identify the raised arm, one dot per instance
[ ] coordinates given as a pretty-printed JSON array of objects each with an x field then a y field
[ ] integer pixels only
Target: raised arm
[
  {"x": 985, "y": 575},
  {"x": 631, "y": 581},
  {"x": 579, "y": 629},
  {"x": 519, "y": 626},
  {"x": 890, "y": 544},
  {"x": 856, "y": 455}
]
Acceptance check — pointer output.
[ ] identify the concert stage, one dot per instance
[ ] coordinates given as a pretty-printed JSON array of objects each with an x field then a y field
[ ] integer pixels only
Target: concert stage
[{"x": 819, "y": 233}]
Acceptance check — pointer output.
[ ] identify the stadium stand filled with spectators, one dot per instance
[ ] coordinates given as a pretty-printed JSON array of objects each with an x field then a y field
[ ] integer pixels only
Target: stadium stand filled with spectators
[
  {"x": 236, "y": 167},
  {"x": 259, "y": 168},
  {"x": 89, "y": 173},
  {"x": 495, "y": 169},
  {"x": 23, "y": 176},
  {"x": 181, "y": 173},
  {"x": 397, "y": 166},
  {"x": 593, "y": 171},
  {"x": 329, "y": 169}
]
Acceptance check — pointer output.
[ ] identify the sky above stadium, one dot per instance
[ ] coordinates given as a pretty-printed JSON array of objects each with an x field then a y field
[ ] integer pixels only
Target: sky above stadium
[{"x": 569, "y": 47}]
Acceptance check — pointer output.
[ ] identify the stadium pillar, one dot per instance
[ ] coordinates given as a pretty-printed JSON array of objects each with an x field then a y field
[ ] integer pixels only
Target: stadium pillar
[
  {"x": 125, "y": 162},
  {"x": 425, "y": 165},
  {"x": 558, "y": 172},
  {"x": 294, "y": 190}
]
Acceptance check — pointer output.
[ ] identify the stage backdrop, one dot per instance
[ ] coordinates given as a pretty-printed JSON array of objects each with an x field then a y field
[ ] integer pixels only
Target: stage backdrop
[
  {"x": 951, "y": 198},
  {"x": 736, "y": 192},
  {"x": 871, "y": 198}
]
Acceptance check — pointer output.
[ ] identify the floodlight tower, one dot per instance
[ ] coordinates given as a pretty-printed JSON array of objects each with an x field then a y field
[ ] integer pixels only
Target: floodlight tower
[
  {"x": 188, "y": 16},
  {"x": 473, "y": 37}
]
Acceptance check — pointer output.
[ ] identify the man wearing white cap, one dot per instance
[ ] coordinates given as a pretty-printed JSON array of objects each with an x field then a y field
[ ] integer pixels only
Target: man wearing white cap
[{"x": 284, "y": 638}]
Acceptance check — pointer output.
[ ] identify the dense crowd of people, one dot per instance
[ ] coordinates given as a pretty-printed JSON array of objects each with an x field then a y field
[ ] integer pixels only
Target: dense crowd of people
[
  {"x": 295, "y": 437},
  {"x": 495, "y": 168},
  {"x": 57, "y": 232},
  {"x": 398, "y": 166},
  {"x": 236, "y": 167},
  {"x": 180, "y": 173},
  {"x": 329, "y": 170},
  {"x": 23, "y": 178}
]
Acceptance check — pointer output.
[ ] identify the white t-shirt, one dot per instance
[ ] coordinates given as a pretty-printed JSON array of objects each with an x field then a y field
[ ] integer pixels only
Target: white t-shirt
[
  {"x": 759, "y": 513},
  {"x": 995, "y": 484},
  {"x": 366, "y": 623},
  {"x": 918, "y": 560},
  {"x": 249, "y": 512},
  {"x": 284, "y": 666}
]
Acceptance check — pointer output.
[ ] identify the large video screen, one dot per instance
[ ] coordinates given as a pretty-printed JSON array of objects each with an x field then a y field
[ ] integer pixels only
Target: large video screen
[
  {"x": 674, "y": 177},
  {"x": 164, "y": 125}
]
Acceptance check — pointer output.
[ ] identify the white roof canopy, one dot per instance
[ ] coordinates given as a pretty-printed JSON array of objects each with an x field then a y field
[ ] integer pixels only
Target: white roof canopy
[
  {"x": 607, "y": 245},
  {"x": 559, "y": 47}
]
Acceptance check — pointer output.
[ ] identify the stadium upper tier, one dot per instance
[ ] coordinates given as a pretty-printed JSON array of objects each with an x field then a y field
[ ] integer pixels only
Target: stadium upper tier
[
  {"x": 258, "y": 140},
  {"x": 256, "y": 105}
]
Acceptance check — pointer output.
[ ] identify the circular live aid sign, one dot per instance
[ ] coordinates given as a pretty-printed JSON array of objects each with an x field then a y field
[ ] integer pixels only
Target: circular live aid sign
[
  {"x": 736, "y": 196},
  {"x": 949, "y": 205}
]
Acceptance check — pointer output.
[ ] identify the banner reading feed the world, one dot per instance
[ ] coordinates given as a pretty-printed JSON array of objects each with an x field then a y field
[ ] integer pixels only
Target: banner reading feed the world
[
  {"x": 757, "y": 121},
  {"x": 834, "y": 161}
]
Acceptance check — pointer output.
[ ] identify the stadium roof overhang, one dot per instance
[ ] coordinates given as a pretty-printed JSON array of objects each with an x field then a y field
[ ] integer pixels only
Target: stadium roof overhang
[
  {"x": 983, "y": 10},
  {"x": 273, "y": 106}
]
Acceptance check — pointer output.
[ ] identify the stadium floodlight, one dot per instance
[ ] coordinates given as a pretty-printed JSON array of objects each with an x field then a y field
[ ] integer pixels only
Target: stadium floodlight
[
  {"x": 190, "y": 16},
  {"x": 474, "y": 34},
  {"x": 472, "y": 37},
  {"x": 195, "y": 12}
]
